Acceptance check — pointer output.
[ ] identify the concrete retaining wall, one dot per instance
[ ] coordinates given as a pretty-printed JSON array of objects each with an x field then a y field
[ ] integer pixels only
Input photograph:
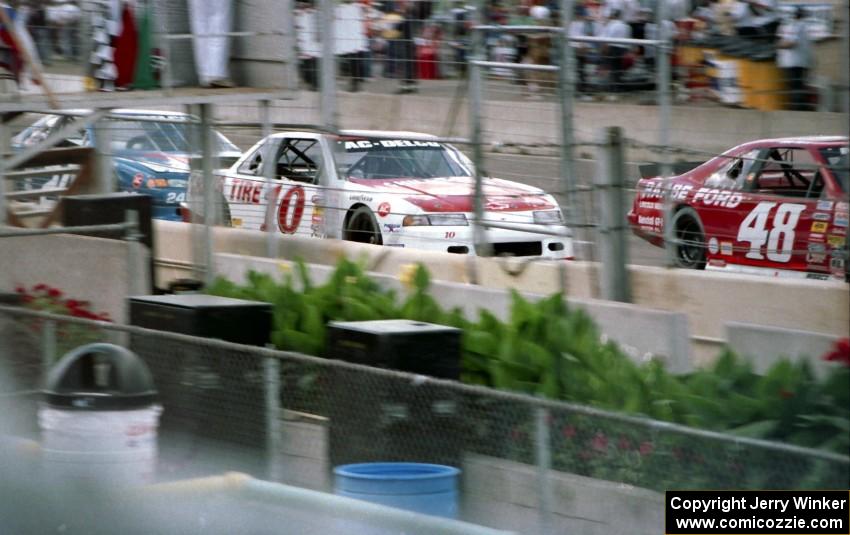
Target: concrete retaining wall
[
  {"x": 763, "y": 346},
  {"x": 708, "y": 300},
  {"x": 506, "y": 494},
  {"x": 98, "y": 270}
]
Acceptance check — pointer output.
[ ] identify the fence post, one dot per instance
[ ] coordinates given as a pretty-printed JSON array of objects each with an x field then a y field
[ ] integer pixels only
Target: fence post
[
  {"x": 271, "y": 369},
  {"x": 609, "y": 184},
  {"x": 268, "y": 173},
  {"x": 4, "y": 146},
  {"x": 479, "y": 233},
  {"x": 544, "y": 466},
  {"x": 566, "y": 87},
  {"x": 328, "y": 65},
  {"x": 48, "y": 347},
  {"x": 663, "y": 82},
  {"x": 210, "y": 210},
  {"x": 137, "y": 258},
  {"x": 103, "y": 142}
]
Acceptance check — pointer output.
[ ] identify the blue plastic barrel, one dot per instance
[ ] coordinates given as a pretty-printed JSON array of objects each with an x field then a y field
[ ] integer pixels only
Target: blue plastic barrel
[{"x": 424, "y": 488}]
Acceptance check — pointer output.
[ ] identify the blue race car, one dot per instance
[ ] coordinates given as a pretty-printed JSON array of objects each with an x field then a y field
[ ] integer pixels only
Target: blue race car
[{"x": 150, "y": 152}]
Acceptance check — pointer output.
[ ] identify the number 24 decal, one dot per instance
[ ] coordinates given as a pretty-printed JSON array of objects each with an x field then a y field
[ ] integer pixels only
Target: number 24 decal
[{"x": 779, "y": 238}]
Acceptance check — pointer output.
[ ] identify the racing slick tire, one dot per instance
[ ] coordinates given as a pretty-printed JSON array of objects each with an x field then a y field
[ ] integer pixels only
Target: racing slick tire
[
  {"x": 362, "y": 227},
  {"x": 689, "y": 239}
]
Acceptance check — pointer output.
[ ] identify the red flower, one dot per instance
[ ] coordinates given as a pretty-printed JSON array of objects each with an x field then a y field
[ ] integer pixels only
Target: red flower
[
  {"x": 785, "y": 394},
  {"x": 645, "y": 448},
  {"x": 624, "y": 444},
  {"x": 599, "y": 442},
  {"x": 569, "y": 431},
  {"x": 41, "y": 286},
  {"x": 20, "y": 289},
  {"x": 54, "y": 292},
  {"x": 840, "y": 352}
]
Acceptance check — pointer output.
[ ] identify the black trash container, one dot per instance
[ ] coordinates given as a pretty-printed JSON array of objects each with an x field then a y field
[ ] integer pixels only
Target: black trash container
[{"x": 379, "y": 418}]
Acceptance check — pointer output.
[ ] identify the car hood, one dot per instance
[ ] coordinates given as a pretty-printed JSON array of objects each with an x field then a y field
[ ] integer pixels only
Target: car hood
[{"x": 455, "y": 194}]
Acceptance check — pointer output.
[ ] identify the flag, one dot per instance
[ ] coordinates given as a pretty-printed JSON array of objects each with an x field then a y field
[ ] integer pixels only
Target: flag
[{"x": 144, "y": 78}]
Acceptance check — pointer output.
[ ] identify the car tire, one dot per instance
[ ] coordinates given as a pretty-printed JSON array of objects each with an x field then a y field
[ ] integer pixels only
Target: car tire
[
  {"x": 362, "y": 227},
  {"x": 689, "y": 237}
]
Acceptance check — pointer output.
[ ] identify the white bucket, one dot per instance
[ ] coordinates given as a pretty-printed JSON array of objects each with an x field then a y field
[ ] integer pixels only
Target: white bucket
[{"x": 100, "y": 447}]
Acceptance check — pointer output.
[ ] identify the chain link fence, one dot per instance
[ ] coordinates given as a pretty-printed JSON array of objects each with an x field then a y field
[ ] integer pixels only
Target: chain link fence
[{"x": 529, "y": 465}]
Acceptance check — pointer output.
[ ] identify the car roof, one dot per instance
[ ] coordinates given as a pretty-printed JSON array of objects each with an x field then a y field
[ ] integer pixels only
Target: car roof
[
  {"x": 801, "y": 140},
  {"x": 128, "y": 112},
  {"x": 395, "y": 134}
]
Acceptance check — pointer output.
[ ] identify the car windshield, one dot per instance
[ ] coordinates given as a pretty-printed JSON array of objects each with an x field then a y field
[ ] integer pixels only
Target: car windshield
[
  {"x": 374, "y": 158},
  {"x": 147, "y": 135},
  {"x": 839, "y": 164}
]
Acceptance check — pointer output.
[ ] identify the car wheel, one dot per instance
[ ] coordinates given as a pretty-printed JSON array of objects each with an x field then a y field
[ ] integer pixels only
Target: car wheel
[
  {"x": 690, "y": 239},
  {"x": 362, "y": 227}
]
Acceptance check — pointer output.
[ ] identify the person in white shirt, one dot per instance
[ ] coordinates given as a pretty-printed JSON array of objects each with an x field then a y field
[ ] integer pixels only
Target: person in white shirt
[
  {"x": 613, "y": 54},
  {"x": 756, "y": 18},
  {"x": 582, "y": 26},
  {"x": 794, "y": 57}
]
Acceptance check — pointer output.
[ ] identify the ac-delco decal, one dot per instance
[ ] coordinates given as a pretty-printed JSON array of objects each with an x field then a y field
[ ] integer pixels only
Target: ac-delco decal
[
  {"x": 821, "y": 216},
  {"x": 387, "y": 144}
]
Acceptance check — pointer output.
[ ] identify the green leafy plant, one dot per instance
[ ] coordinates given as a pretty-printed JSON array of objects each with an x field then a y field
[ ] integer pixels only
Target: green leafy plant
[{"x": 547, "y": 348}]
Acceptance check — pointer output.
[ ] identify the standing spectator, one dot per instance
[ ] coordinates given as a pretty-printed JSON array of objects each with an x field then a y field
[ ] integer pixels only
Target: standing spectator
[
  {"x": 459, "y": 35},
  {"x": 37, "y": 24},
  {"x": 63, "y": 16},
  {"x": 614, "y": 54},
  {"x": 582, "y": 26},
  {"x": 794, "y": 57},
  {"x": 352, "y": 42},
  {"x": 391, "y": 34},
  {"x": 407, "y": 58},
  {"x": 757, "y": 18},
  {"x": 539, "y": 51}
]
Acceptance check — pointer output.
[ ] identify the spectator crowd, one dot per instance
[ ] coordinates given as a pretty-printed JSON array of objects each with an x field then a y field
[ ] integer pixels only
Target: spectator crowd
[{"x": 421, "y": 39}]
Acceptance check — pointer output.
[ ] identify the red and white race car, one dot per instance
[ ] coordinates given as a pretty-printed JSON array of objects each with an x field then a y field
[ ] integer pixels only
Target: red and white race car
[
  {"x": 775, "y": 206},
  {"x": 398, "y": 189}
]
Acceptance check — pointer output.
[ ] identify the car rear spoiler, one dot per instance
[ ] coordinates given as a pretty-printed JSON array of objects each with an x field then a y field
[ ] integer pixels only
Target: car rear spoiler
[{"x": 652, "y": 170}]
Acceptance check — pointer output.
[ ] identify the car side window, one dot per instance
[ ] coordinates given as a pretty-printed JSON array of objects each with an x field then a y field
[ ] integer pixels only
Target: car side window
[
  {"x": 299, "y": 160},
  {"x": 253, "y": 164},
  {"x": 732, "y": 175},
  {"x": 787, "y": 172}
]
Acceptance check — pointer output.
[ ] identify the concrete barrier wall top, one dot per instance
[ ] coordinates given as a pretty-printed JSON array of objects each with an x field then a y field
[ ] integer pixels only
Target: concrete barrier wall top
[{"x": 708, "y": 300}]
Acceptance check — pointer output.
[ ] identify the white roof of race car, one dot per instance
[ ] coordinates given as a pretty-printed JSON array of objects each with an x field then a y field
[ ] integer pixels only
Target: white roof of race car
[
  {"x": 394, "y": 134},
  {"x": 122, "y": 112}
]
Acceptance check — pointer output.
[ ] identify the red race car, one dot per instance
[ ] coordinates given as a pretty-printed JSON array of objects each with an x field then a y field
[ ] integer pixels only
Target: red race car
[{"x": 774, "y": 206}]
